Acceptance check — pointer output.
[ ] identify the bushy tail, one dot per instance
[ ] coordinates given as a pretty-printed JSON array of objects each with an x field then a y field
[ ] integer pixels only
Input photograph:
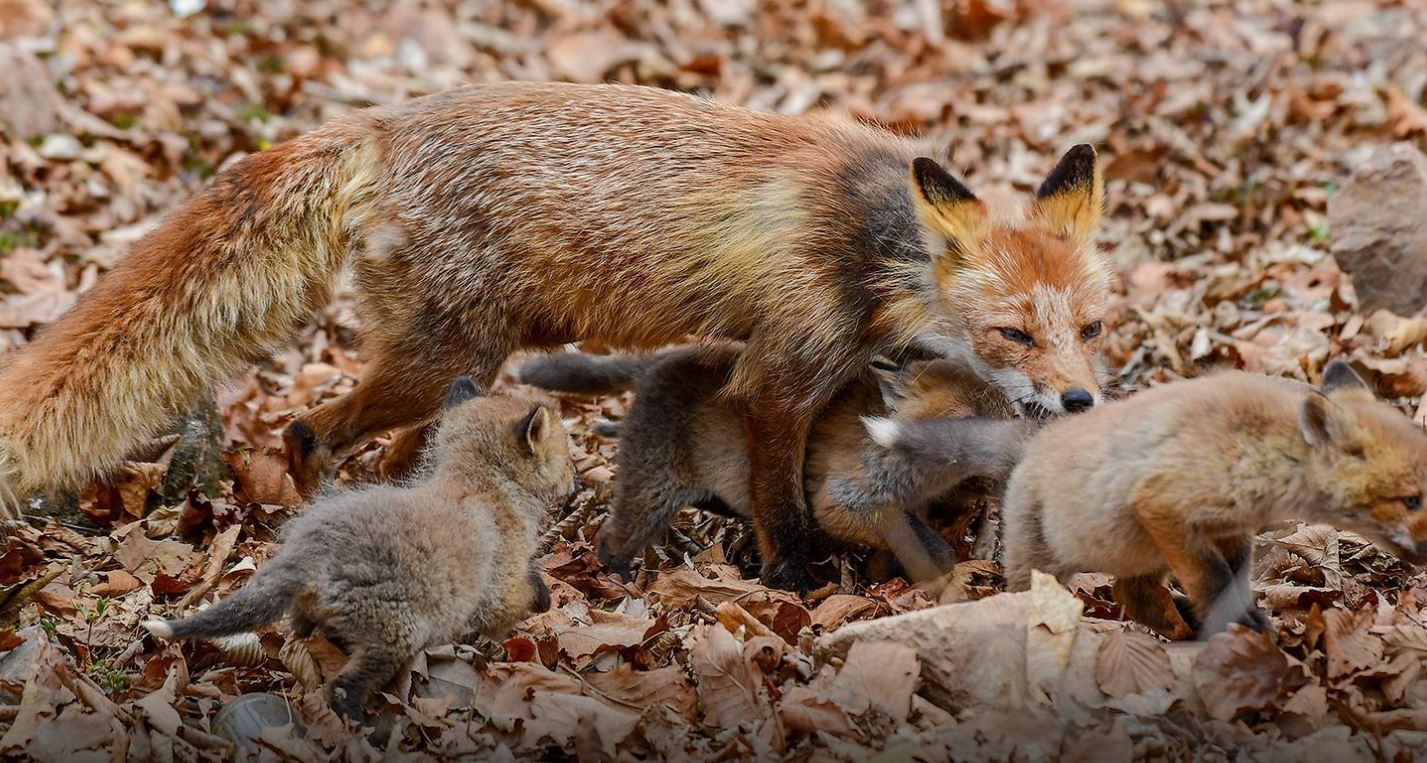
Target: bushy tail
[
  {"x": 265, "y": 599},
  {"x": 220, "y": 282},
  {"x": 587, "y": 374}
]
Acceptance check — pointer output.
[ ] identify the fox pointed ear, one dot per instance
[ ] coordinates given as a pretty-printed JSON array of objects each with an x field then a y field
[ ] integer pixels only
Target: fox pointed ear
[
  {"x": 891, "y": 382},
  {"x": 946, "y": 205},
  {"x": 1071, "y": 198},
  {"x": 1339, "y": 376},
  {"x": 462, "y": 388},
  {"x": 537, "y": 427},
  {"x": 1323, "y": 422}
]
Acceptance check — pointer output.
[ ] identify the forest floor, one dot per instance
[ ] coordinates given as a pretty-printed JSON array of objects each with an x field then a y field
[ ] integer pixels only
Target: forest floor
[{"x": 1225, "y": 128}]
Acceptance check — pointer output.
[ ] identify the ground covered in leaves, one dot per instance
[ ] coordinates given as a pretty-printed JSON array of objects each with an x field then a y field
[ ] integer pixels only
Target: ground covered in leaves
[{"x": 1226, "y": 127}]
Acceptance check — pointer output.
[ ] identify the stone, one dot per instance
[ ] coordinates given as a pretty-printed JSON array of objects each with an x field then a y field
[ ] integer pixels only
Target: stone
[{"x": 1378, "y": 222}]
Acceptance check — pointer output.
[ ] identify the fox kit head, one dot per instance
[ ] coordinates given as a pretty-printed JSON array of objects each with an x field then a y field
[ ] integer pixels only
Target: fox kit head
[
  {"x": 1369, "y": 459},
  {"x": 1028, "y": 298},
  {"x": 502, "y": 438}
]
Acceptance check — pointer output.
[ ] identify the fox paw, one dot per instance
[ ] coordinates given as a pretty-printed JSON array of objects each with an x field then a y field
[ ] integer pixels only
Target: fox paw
[
  {"x": 1255, "y": 619},
  {"x": 788, "y": 575},
  {"x": 346, "y": 701}
]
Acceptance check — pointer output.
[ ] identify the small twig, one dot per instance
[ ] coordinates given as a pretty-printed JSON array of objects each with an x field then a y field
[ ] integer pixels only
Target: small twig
[
  {"x": 569, "y": 523},
  {"x": 29, "y": 589},
  {"x": 223, "y": 545},
  {"x": 817, "y": 596}
]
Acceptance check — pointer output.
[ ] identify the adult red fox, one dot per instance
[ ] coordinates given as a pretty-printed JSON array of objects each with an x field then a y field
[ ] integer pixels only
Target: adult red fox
[{"x": 492, "y": 217}]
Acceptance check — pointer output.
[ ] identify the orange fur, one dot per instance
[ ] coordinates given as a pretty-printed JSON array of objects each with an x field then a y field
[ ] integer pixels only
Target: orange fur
[{"x": 492, "y": 217}]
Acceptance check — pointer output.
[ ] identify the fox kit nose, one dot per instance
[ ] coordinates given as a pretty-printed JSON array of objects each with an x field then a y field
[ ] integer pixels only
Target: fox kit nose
[{"x": 1076, "y": 400}]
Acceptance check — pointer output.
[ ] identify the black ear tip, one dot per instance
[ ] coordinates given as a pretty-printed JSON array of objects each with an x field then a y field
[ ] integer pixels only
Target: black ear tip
[
  {"x": 462, "y": 388},
  {"x": 1076, "y": 170},
  {"x": 939, "y": 185}
]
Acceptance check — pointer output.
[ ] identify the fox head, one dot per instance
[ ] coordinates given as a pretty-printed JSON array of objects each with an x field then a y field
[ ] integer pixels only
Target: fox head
[
  {"x": 1026, "y": 300},
  {"x": 501, "y": 440},
  {"x": 1368, "y": 460}
]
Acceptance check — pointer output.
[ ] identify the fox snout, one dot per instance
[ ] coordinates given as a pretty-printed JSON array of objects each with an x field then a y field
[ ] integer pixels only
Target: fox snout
[{"x": 1076, "y": 400}]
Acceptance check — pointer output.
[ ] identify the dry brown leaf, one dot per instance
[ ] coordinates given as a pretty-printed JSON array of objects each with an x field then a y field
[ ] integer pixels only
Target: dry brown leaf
[
  {"x": 1131, "y": 662},
  {"x": 1242, "y": 670},
  {"x": 1348, "y": 643},
  {"x": 730, "y": 688}
]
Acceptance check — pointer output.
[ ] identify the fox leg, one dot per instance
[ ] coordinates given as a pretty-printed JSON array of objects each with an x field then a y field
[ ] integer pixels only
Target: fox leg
[
  {"x": 1198, "y": 565},
  {"x": 371, "y": 666},
  {"x": 923, "y": 554},
  {"x": 403, "y": 456},
  {"x": 1145, "y": 600},
  {"x": 1023, "y": 546},
  {"x": 1238, "y": 552},
  {"x": 403, "y": 385},
  {"x": 643, "y": 509}
]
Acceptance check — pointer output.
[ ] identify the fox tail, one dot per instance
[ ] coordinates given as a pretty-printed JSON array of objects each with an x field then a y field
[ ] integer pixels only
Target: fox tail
[{"x": 221, "y": 281}]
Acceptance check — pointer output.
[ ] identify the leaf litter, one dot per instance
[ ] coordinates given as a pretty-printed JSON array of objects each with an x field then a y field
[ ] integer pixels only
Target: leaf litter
[{"x": 1225, "y": 127}]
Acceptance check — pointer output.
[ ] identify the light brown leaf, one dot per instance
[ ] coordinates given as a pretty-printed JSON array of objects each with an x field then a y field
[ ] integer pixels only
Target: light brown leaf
[
  {"x": 1348, "y": 643},
  {"x": 1131, "y": 662},
  {"x": 1242, "y": 670}
]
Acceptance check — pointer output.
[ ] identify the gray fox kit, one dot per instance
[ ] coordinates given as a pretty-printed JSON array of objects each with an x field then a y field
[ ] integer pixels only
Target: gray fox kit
[
  {"x": 683, "y": 444},
  {"x": 390, "y": 570},
  {"x": 499, "y": 216},
  {"x": 1180, "y": 477}
]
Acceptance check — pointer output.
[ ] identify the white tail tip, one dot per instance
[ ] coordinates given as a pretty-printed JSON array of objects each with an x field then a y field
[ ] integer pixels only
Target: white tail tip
[
  {"x": 158, "y": 629},
  {"x": 883, "y": 431}
]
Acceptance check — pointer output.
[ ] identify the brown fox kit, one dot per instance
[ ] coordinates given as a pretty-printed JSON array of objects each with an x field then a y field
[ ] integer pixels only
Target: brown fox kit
[
  {"x": 493, "y": 217},
  {"x": 390, "y": 570},
  {"x": 682, "y": 444},
  {"x": 1180, "y": 477}
]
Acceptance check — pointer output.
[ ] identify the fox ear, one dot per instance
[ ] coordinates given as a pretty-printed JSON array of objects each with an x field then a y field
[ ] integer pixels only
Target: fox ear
[
  {"x": 462, "y": 388},
  {"x": 1071, "y": 198},
  {"x": 891, "y": 382},
  {"x": 537, "y": 427},
  {"x": 1339, "y": 376},
  {"x": 1322, "y": 422},
  {"x": 946, "y": 205}
]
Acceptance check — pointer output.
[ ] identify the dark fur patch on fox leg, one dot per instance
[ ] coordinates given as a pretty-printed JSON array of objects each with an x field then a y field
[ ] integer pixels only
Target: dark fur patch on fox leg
[
  {"x": 541, "y": 601},
  {"x": 1145, "y": 600},
  {"x": 368, "y": 668}
]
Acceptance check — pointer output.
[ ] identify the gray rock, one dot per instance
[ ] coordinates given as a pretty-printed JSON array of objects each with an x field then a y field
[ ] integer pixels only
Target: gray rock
[{"x": 1378, "y": 221}]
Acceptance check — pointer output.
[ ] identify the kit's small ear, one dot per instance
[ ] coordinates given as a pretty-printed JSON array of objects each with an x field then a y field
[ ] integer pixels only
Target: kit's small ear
[
  {"x": 1070, "y": 200},
  {"x": 462, "y": 388},
  {"x": 891, "y": 382},
  {"x": 947, "y": 206},
  {"x": 537, "y": 427}
]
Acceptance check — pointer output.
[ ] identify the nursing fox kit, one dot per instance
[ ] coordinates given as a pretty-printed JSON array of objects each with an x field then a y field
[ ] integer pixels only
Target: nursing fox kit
[
  {"x": 493, "y": 217},
  {"x": 391, "y": 570},
  {"x": 1180, "y": 477},
  {"x": 682, "y": 444}
]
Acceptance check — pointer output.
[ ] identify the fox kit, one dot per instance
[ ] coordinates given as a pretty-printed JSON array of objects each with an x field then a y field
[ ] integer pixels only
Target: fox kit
[
  {"x": 391, "y": 570},
  {"x": 1179, "y": 478},
  {"x": 493, "y": 217},
  {"x": 682, "y": 444}
]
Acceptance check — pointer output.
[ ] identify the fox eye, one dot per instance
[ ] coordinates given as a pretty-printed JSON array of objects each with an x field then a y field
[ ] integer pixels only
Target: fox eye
[
  {"x": 1091, "y": 330},
  {"x": 1017, "y": 335},
  {"x": 1413, "y": 502}
]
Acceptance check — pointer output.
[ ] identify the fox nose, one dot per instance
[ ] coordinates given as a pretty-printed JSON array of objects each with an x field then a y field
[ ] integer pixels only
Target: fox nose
[{"x": 1076, "y": 400}]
